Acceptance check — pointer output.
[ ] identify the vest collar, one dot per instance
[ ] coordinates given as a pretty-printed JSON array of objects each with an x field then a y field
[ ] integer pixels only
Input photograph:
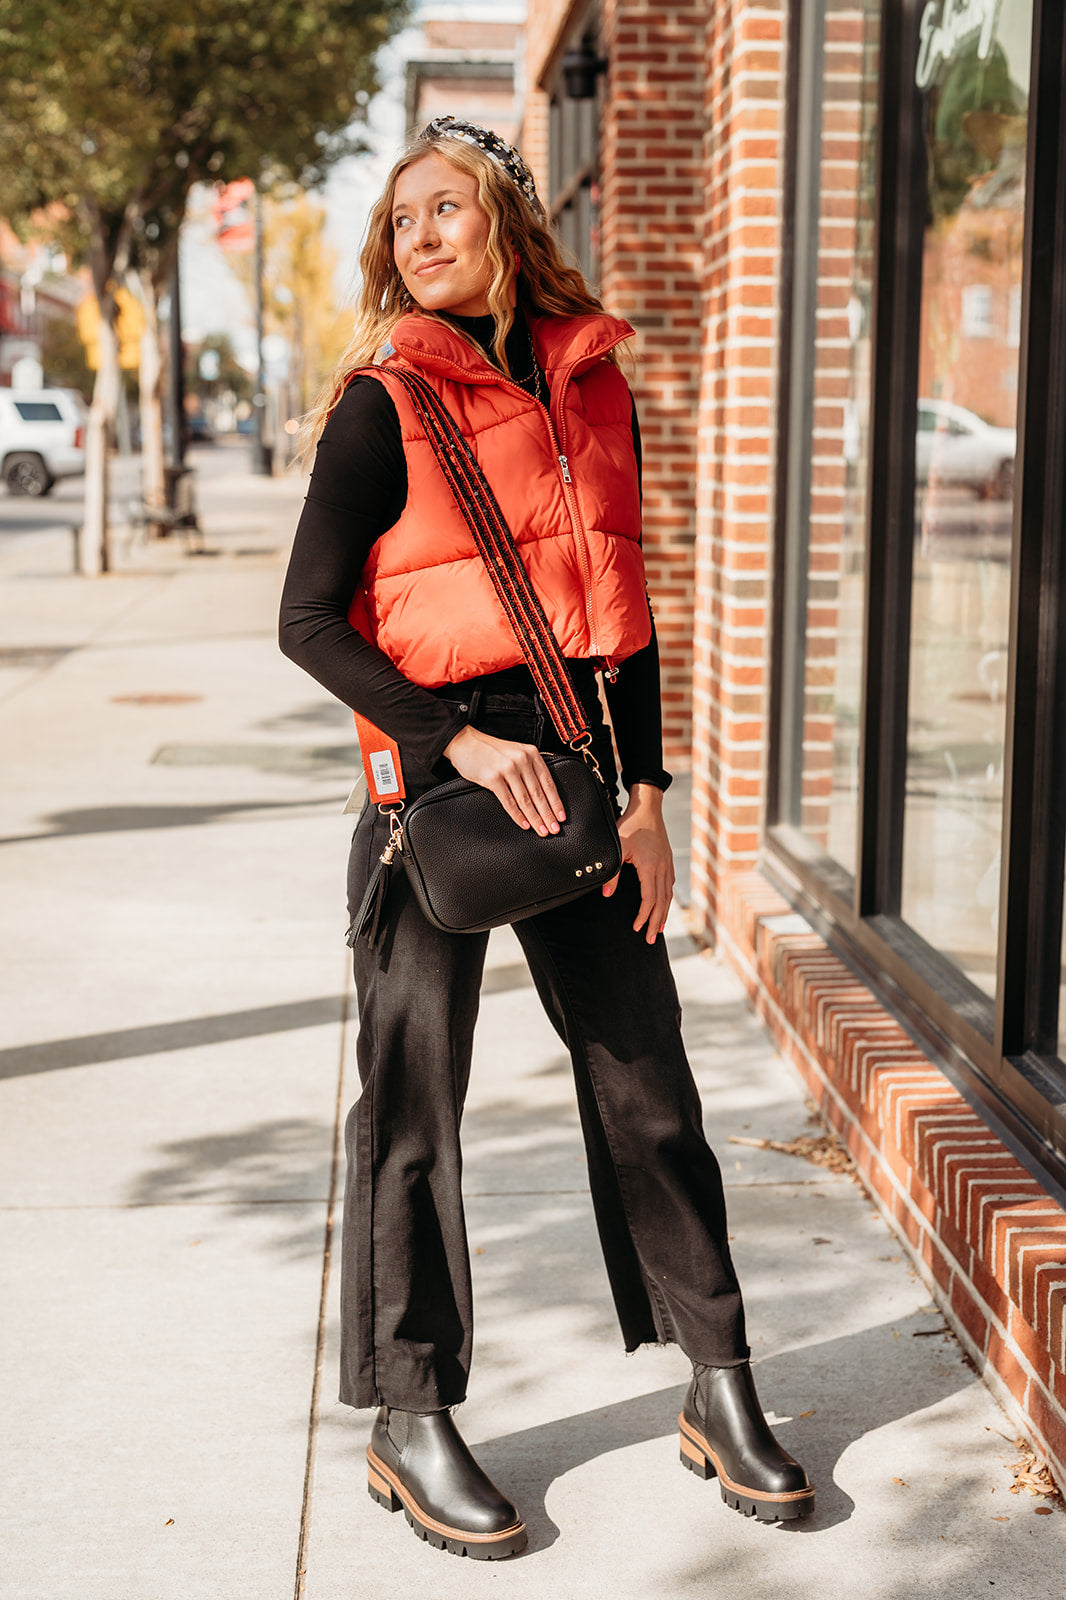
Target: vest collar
[{"x": 563, "y": 344}]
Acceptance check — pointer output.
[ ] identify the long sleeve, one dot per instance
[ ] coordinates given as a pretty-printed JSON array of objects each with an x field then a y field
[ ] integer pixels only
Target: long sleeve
[
  {"x": 358, "y": 489},
  {"x": 635, "y": 701}
]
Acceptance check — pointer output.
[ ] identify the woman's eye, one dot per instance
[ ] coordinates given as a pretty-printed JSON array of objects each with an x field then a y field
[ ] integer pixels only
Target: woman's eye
[
  {"x": 447, "y": 205},
  {"x": 399, "y": 222}
]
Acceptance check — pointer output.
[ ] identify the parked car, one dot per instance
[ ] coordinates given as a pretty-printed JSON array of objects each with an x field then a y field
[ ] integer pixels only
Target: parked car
[
  {"x": 198, "y": 429},
  {"x": 956, "y": 446},
  {"x": 42, "y": 438}
]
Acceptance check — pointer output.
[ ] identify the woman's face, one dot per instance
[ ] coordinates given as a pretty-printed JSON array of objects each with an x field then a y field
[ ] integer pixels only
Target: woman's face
[{"x": 440, "y": 238}]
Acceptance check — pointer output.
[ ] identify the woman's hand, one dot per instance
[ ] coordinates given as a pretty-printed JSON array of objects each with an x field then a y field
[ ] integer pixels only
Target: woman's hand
[
  {"x": 517, "y": 774},
  {"x": 646, "y": 847}
]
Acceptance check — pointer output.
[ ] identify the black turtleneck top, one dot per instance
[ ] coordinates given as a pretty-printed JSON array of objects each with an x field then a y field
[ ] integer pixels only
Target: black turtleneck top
[{"x": 357, "y": 491}]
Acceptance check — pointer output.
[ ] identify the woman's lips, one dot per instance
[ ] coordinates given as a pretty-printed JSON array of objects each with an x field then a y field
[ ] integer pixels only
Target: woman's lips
[{"x": 431, "y": 266}]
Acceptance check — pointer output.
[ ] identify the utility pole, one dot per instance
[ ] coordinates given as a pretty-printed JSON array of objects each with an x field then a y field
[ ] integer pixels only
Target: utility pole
[
  {"x": 177, "y": 477},
  {"x": 262, "y": 465},
  {"x": 177, "y": 379}
]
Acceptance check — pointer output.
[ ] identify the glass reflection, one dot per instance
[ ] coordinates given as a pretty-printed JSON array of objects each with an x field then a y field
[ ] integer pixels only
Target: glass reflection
[{"x": 967, "y": 411}]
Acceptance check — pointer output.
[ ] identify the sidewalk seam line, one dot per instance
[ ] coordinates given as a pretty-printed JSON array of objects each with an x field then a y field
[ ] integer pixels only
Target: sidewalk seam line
[
  {"x": 119, "y": 616},
  {"x": 320, "y": 1334}
]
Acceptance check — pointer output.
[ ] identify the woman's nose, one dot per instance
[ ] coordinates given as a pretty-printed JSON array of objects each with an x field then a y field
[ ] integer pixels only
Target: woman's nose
[{"x": 425, "y": 232}]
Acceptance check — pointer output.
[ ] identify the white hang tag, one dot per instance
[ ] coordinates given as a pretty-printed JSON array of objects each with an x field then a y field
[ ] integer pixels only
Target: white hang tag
[{"x": 384, "y": 769}]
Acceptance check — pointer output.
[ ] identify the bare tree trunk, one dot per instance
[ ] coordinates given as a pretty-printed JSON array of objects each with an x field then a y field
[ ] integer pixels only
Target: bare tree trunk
[
  {"x": 153, "y": 491},
  {"x": 95, "y": 545},
  {"x": 107, "y": 255}
]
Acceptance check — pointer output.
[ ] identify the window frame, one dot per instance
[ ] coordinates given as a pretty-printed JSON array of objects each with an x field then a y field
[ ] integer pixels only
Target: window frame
[
  {"x": 1003, "y": 1055},
  {"x": 574, "y": 157}
]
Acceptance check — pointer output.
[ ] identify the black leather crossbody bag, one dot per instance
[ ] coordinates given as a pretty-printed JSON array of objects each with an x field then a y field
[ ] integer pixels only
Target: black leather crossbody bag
[{"x": 470, "y": 866}]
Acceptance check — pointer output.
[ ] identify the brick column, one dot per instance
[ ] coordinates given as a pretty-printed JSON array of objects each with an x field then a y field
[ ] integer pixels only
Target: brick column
[
  {"x": 546, "y": 24},
  {"x": 745, "y": 85},
  {"x": 651, "y": 217}
]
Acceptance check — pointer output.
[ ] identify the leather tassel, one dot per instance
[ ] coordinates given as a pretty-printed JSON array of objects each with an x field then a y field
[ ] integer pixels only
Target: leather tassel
[{"x": 366, "y": 923}]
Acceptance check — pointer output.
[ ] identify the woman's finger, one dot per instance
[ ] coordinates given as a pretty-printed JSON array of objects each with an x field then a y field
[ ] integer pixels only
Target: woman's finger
[
  {"x": 542, "y": 791},
  {"x": 536, "y": 794},
  {"x": 551, "y": 794},
  {"x": 510, "y": 804},
  {"x": 657, "y": 921},
  {"x": 647, "y": 906},
  {"x": 656, "y": 894},
  {"x": 529, "y": 809}
]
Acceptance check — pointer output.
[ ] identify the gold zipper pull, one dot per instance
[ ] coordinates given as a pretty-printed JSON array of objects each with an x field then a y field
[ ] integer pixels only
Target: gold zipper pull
[{"x": 566, "y": 470}]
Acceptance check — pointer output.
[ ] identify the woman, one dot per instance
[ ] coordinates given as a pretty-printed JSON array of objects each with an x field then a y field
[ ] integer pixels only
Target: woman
[{"x": 389, "y": 606}]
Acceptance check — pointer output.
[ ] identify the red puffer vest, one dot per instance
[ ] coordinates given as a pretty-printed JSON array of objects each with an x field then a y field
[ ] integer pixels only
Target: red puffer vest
[{"x": 567, "y": 485}]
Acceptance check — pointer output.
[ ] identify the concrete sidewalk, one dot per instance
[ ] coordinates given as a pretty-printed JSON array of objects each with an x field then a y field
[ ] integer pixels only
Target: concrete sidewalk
[{"x": 175, "y": 1065}]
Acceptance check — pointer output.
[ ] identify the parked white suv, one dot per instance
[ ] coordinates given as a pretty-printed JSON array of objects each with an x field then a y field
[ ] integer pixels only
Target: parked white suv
[
  {"x": 42, "y": 438},
  {"x": 956, "y": 446}
]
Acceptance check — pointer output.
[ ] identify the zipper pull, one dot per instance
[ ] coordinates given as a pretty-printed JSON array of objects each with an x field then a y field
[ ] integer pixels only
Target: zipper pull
[
  {"x": 566, "y": 470},
  {"x": 610, "y": 671}
]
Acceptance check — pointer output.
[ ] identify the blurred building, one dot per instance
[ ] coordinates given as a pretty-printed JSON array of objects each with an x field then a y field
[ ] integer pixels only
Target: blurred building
[
  {"x": 466, "y": 67},
  {"x": 38, "y": 304},
  {"x": 838, "y": 231}
]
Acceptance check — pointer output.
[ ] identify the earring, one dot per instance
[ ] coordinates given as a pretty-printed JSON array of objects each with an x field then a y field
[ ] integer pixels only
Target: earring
[{"x": 517, "y": 262}]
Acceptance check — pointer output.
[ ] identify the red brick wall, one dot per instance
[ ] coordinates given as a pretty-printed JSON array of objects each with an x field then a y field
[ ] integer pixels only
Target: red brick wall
[
  {"x": 651, "y": 221},
  {"x": 744, "y": 112},
  {"x": 546, "y": 23},
  {"x": 987, "y": 1239}
]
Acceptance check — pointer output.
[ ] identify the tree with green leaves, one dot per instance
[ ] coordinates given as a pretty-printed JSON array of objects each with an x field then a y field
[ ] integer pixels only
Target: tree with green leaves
[{"x": 110, "y": 110}]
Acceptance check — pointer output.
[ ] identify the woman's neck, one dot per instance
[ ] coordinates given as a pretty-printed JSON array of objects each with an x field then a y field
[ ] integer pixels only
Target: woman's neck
[{"x": 483, "y": 332}]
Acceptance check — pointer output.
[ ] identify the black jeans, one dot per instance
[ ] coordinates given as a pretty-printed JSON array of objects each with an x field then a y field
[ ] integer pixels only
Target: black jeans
[{"x": 656, "y": 1187}]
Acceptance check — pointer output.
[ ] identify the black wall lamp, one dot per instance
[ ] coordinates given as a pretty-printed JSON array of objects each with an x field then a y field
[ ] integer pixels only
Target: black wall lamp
[{"x": 581, "y": 68}]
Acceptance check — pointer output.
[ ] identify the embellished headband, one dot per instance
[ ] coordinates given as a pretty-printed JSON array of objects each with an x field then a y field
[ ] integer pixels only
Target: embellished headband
[{"x": 505, "y": 155}]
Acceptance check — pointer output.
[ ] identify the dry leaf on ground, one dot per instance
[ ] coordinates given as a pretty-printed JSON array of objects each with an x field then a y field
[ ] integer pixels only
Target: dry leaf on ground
[
  {"x": 823, "y": 1149},
  {"x": 1031, "y": 1475}
]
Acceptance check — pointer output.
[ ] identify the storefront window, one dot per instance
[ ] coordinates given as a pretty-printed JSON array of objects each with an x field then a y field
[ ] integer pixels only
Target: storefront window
[
  {"x": 918, "y": 759},
  {"x": 830, "y": 430},
  {"x": 975, "y": 137}
]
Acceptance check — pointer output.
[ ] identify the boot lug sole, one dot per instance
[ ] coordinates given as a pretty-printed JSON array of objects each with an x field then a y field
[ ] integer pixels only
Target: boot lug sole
[
  {"x": 698, "y": 1457},
  {"x": 386, "y": 1489}
]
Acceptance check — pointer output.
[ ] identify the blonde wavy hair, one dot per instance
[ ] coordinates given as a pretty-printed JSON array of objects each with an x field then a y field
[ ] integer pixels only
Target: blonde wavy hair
[{"x": 546, "y": 283}]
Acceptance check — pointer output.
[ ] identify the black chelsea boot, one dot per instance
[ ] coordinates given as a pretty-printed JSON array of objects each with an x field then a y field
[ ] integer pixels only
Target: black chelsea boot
[
  {"x": 725, "y": 1435},
  {"x": 421, "y": 1464}
]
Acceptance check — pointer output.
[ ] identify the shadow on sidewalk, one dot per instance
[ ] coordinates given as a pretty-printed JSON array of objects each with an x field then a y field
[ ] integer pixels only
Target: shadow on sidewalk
[
  {"x": 530, "y": 1461},
  {"x": 870, "y": 1393},
  {"x": 155, "y": 1038},
  {"x": 135, "y": 819},
  {"x": 284, "y": 1164}
]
